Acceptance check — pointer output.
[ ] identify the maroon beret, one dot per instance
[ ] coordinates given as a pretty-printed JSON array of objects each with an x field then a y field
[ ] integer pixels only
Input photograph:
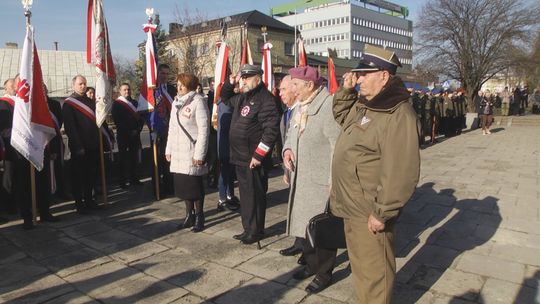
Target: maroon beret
[{"x": 305, "y": 73}]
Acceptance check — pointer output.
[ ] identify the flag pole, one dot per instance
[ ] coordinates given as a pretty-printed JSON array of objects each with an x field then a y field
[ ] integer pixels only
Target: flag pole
[
  {"x": 102, "y": 161},
  {"x": 156, "y": 171},
  {"x": 33, "y": 186}
]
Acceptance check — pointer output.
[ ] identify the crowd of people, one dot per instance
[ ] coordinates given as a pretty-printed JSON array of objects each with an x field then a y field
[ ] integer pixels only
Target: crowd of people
[{"x": 355, "y": 153}]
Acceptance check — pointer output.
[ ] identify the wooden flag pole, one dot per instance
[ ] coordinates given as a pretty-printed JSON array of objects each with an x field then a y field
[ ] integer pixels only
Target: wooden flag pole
[
  {"x": 156, "y": 171},
  {"x": 34, "y": 198},
  {"x": 102, "y": 160}
]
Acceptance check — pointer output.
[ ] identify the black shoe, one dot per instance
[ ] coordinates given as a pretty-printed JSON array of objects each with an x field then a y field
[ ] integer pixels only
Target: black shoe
[
  {"x": 123, "y": 185},
  {"x": 301, "y": 274},
  {"x": 81, "y": 209},
  {"x": 92, "y": 205},
  {"x": 232, "y": 205},
  {"x": 301, "y": 260},
  {"x": 3, "y": 220},
  {"x": 290, "y": 251},
  {"x": 318, "y": 285},
  {"x": 240, "y": 236},
  {"x": 49, "y": 218},
  {"x": 220, "y": 205},
  {"x": 135, "y": 182},
  {"x": 250, "y": 239},
  {"x": 199, "y": 223},
  {"x": 188, "y": 221},
  {"x": 28, "y": 224}
]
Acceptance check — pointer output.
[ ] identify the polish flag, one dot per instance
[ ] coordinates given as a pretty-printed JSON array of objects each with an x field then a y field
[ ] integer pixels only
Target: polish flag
[
  {"x": 332, "y": 80},
  {"x": 147, "y": 101},
  {"x": 302, "y": 57},
  {"x": 220, "y": 74},
  {"x": 267, "y": 67},
  {"x": 98, "y": 53},
  {"x": 246, "y": 54},
  {"x": 33, "y": 126}
]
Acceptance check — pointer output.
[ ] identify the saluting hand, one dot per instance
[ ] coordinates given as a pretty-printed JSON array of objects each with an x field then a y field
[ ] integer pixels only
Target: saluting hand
[
  {"x": 349, "y": 80},
  {"x": 234, "y": 79}
]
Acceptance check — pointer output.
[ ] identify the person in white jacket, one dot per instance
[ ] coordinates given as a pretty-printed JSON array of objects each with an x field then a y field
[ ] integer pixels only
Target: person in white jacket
[{"x": 187, "y": 144}]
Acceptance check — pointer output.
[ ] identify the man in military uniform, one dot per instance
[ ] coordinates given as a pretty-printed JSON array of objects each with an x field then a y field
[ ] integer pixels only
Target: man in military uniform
[
  {"x": 128, "y": 129},
  {"x": 375, "y": 168},
  {"x": 254, "y": 131}
]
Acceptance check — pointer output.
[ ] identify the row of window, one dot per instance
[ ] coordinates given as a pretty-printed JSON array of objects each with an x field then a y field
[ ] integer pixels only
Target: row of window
[
  {"x": 358, "y": 54},
  {"x": 381, "y": 42},
  {"x": 381, "y": 27},
  {"x": 327, "y": 38},
  {"x": 324, "y": 23}
]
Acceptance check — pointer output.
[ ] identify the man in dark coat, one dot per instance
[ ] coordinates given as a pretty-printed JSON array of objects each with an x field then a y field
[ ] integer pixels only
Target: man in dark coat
[
  {"x": 9, "y": 155},
  {"x": 80, "y": 125},
  {"x": 254, "y": 131},
  {"x": 128, "y": 129}
]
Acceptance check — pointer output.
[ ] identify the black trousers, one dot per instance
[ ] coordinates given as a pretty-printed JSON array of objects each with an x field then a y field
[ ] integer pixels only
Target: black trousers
[
  {"x": 320, "y": 261},
  {"x": 252, "y": 184},
  {"x": 164, "y": 171},
  {"x": 84, "y": 171},
  {"x": 129, "y": 159},
  {"x": 22, "y": 188}
]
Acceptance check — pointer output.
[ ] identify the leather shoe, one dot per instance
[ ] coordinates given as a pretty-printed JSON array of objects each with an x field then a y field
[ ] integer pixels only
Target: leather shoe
[
  {"x": 28, "y": 224},
  {"x": 301, "y": 274},
  {"x": 317, "y": 285},
  {"x": 301, "y": 260},
  {"x": 188, "y": 221},
  {"x": 290, "y": 251},
  {"x": 220, "y": 205},
  {"x": 250, "y": 239},
  {"x": 232, "y": 205},
  {"x": 240, "y": 236}
]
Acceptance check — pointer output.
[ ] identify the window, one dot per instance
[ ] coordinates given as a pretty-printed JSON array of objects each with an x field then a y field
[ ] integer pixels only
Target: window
[
  {"x": 205, "y": 49},
  {"x": 347, "y": 19},
  {"x": 289, "y": 48},
  {"x": 192, "y": 51}
]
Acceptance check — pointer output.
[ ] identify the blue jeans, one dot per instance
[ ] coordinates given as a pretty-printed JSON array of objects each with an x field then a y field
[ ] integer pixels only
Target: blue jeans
[{"x": 226, "y": 179}]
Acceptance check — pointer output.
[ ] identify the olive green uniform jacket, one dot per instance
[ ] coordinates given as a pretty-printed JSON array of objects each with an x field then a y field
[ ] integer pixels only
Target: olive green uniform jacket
[{"x": 376, "y": 163}]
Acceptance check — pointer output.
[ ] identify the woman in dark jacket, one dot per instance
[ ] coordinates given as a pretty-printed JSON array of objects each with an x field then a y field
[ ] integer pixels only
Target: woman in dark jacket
[{"x": 486, "y": 112}]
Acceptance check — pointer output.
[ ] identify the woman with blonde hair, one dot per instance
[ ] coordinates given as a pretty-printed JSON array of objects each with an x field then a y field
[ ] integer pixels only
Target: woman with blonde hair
[{"x": 186, "y": 149}]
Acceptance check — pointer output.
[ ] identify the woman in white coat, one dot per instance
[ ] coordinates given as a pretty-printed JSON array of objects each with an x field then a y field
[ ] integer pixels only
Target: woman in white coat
[{"x": 186, "y": 149}]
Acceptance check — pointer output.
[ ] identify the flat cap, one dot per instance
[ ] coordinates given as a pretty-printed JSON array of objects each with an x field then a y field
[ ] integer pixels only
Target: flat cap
[
  {"x": 376, "y": 58},
  {"x": 250, "y": 69},
  {"x": 306, "y": 73}
]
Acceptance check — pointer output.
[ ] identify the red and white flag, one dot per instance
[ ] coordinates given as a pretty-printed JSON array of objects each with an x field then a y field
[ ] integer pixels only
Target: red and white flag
[
  {"x": 302, "y": 57},
  {"x": 267, "y": 67},
  {"x": 147, "y": 101},
  {"x": 33, "y": 126},
  {"x": 332, "y": 79},
  {"x": 220, "y": 73},
  {"x": 246, "y": 54},
  {"x": 98, "y": 52}
]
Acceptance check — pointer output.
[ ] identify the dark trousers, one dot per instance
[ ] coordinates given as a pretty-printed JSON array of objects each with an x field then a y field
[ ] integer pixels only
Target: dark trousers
[
  {"x": 22, "y": 188},
  {"x": 320, "y": 261},
  {"x": 253, "y": 184},
  {"x": 129, "y": 159},
  {"x": 84, "y": 170},
  {"x": 226, "y": 179},
  {"x": 164, "y": 171}
]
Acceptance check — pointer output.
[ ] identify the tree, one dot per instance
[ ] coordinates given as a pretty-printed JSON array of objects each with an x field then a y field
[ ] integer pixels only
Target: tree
[
  {"x": 126, "y": 72},
  {"x": 472, "y": 40}
]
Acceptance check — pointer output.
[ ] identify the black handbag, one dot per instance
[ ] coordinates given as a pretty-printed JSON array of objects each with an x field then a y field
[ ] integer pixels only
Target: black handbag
[{"x": 326, "y": 230}]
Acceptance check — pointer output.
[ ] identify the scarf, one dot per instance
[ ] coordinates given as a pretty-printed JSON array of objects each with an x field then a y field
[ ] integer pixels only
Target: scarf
[{"x": 301, "y": 115}]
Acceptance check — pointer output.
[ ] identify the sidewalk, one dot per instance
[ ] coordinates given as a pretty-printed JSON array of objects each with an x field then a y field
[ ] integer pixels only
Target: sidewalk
[{"x": 470, "y": 234}]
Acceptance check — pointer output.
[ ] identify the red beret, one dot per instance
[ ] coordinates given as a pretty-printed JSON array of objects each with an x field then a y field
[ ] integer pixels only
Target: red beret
[{"x": 305, "y": 73}]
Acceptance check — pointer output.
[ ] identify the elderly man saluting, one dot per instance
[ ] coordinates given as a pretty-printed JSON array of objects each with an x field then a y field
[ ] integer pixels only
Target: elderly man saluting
[
  {"x": 375, "y": 168},
  {"x": 254, "y": 131}
]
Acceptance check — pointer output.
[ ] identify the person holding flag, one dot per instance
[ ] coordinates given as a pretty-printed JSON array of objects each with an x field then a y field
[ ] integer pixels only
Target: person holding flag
[{"x": 9, "y": 155}]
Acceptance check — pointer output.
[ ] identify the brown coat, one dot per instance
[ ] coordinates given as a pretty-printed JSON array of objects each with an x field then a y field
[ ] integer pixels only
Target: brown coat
[{"x": 376, "y": 162}]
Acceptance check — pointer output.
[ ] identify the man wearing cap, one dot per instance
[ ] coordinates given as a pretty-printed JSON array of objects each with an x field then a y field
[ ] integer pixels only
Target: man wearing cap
[
  {"x": 307, "y": 154},
  {"x": 253, "y": 132},
  {"x": 375, "y": 168}
]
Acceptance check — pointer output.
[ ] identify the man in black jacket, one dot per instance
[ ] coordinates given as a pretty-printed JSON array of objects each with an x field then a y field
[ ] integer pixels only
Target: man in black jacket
[
  {"x": 83, "y": 141},
  {"x": 254, "y": 131},
  {"x": 128, "y": 129}
]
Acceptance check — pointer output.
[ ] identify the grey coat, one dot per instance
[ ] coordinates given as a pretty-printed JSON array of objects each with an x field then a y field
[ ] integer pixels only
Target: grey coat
[{"x": 310, "y": 181}]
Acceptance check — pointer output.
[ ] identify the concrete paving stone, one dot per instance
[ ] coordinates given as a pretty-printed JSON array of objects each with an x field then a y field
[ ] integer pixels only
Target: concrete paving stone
[
  {"x": 342, "y": 288},
  {"x": 23, "y": 270},
  {"x": 75, "y": 261},
  {"x": 454, "y": 282},
  {"x": 488, "y": 222},
  {"x": 225, "y": 220},
  {"x": 72, "y": 219},
  {"x": 133, "y": 250},
  {"x": 168, "y": 212},
  {"x": 505, "y": 236},
  {"x": 499, "y": 292},
  {"x": 259, "y": 291},
  {"x": 74, "y": 297},
  {"x": 191, "y": 299},
  {"x": 143, "y": 290},
  {"x": 532, "y": 277},
  {"x": 271, "y": 265},
  {"x": 443, "y": 299},
  {"x": 318, "y": 299},
  {"x": 435, "y": 256},
  {"x": 515, "y": 212},
  {"x": 492, "y": 267},
  {"x": 527, "y": 295},
  {"x": 106, "y": 239},
  {"x": 191, "y": 242},
  {"x": 519, "y": 254},
  {"x": 24, "y": 238},
  {"x": 229, "y": 231},
  {"x": 406, "y": 294},
  {"x": 51, "y": 248},
  {"x": 228, "y": 252},
  {"x": 172, "y": 265},
  {"x": 10, "y": 253},
  {"x": 86, "y": 228},
  {"x": 151, "y": 230},
  {"x": 37, "y": 291},
  {"x": 103, "y": 277}
]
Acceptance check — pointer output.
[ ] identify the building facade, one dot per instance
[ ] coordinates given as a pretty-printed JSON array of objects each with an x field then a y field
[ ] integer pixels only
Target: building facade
[{"x": 348, "y": 25}]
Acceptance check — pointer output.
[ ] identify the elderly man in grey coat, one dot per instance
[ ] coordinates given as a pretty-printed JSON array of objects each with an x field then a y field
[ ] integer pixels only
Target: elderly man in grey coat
[{"x": 307, "y": 153}]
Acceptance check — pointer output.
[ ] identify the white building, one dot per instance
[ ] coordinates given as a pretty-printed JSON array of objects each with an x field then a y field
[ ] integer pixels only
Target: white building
[{"x": 348, "y": 24}]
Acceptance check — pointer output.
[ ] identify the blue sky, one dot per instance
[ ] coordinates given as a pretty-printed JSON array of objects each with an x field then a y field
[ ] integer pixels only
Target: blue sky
[{"x": 64, "y": 20}]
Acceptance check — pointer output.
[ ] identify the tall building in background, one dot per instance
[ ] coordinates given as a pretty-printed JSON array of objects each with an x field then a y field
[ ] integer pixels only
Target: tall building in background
[{"x": 349, "y": 24}]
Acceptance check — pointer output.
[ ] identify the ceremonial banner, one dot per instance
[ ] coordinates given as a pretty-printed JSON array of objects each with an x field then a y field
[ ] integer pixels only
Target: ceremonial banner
[
  {"x": 267, "y": 67},
  {"x": 147, "y": 101},
  {"x": 246, "y": 54},
  {"x": 302, "y": 57},
  {"x": 332, "y": 80},
  {"x": 98, "y": 52},
  {"x": 33, "y": 126}
]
